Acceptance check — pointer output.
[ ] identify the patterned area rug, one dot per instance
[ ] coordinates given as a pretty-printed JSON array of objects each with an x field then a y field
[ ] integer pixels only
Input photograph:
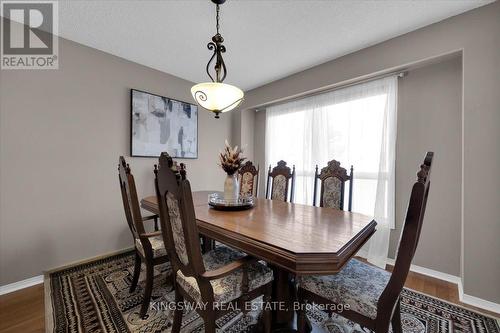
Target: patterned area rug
[{"x": 94, "y": 297}]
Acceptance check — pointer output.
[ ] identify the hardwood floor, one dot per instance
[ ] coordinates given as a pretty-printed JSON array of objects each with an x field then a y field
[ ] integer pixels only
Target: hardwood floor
[
  {"x": 23, "y": 310},
  {"x": 440, "y": 289}
]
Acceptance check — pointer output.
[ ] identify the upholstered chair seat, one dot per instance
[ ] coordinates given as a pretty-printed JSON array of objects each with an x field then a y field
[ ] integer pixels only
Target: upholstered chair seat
[
  {"x": 358, "y": 284},
  {"x": 149, "y": 247},
  {"x": 372, "y": 294},
  {"x": 227, "y": 288},
  {"x": 156, "y": 245},
  {"x": 219, "y": 276}
]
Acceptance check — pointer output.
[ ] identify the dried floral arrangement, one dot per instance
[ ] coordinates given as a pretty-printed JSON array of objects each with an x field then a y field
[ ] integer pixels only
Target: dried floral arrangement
[{"x": 231, "y": 159}]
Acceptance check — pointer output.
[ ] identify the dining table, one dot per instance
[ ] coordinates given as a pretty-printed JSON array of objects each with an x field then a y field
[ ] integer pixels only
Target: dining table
[{"x": 294, "y": 239}]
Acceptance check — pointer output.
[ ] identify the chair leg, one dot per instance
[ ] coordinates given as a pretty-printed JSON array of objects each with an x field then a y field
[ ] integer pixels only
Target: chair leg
[
  {"x": 301, "y": 313},
  {"x": 176, "y": 325},
  {"x": 137, "y": 272},
  {"x": 267, "y": 310},
  {"x": 171, "y": 280},
  {"x": 149, "y": 289},
  {"x": 396, "y": 319},
  {"x": 209, "y": 321}
]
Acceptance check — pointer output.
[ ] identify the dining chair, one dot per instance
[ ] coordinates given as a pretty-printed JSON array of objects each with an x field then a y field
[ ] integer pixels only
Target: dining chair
[
  {"x": 218, "y": 280},
  {"x": 332, "y": 191},
  {"x": 248, "y": 175},
  {"x": 277, "y": 182},
  {"x": 149, "y": 246},
  {"x": 372, "y": 294}
]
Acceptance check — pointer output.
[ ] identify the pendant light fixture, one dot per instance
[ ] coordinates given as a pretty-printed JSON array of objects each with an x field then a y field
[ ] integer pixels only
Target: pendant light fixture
[{"x": 216, "y": 96}]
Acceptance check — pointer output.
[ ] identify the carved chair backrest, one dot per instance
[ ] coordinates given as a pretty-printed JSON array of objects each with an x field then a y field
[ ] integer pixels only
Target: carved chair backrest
[
  {"x": 332, "y": 190},
  {"x": 409, "y": 237},
  {"x": 278, "y": 179},
  {"x": 248, "y": 176},
  {"x": 131, "y": 205},
  {"x": 129, "y": 198},
  {"x": 178, "y": 221}
]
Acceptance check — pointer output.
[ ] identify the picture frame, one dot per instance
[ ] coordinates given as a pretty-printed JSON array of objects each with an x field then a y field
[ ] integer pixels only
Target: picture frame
[{"x": 162, "y": 124}]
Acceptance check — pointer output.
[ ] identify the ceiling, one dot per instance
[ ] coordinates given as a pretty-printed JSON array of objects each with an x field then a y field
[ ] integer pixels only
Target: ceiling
[{"x": 265, "y": 40}]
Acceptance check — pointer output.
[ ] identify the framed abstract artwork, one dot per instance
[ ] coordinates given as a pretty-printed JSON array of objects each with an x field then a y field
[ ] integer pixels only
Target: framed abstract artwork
[{"x": 161, "y": 124}]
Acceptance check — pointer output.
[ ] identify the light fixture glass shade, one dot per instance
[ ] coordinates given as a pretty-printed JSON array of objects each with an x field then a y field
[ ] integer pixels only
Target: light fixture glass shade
[{"x": 217, "y": 97}]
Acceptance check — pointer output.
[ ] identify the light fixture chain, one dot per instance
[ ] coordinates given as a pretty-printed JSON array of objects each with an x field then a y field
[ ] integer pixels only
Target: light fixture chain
[{"x": 217, "y": 17}]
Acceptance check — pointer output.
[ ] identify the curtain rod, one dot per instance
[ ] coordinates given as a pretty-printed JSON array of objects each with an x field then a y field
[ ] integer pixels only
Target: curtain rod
[{"x": 348, "y": 83}]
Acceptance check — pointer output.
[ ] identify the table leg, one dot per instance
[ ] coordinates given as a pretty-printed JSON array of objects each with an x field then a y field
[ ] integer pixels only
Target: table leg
[
  {"x": 207, "y": 244},
  {"x": 283, "y": 298},
  {"x": 284, "y": 295},
  {"x": 156, "y": 224}
]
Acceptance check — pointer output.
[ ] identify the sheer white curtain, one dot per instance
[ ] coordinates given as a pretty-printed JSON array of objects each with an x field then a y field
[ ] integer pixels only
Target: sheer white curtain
[{"x": 354, "y": 125}]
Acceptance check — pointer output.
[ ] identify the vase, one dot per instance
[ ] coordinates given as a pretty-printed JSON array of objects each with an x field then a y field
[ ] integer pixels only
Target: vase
[{"x": 231, "y": 187}]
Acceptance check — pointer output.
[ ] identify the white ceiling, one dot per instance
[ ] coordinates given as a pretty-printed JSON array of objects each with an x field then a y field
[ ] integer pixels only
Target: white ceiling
[{"x": 265, "y": 40}]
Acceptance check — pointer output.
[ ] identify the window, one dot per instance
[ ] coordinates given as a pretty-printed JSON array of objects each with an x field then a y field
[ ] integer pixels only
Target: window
[{"x": 356, "y": 126}]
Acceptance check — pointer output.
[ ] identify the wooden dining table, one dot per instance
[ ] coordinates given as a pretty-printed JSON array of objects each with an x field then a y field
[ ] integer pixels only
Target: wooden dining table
[{"x": 295, "y": 239}]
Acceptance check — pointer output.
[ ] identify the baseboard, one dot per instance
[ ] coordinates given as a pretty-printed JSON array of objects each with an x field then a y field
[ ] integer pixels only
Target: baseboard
[
  {"x": 87, "y": 260},
  {"x": 477, "y": 302},
  {"x": 8, "y": 288},
  {"x": 464, "y": 298},
  {"x": 432, "y": 273}
]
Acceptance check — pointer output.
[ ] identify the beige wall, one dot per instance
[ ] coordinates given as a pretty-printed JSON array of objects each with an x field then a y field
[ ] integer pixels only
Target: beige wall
[
  {"x": 247, "y": 133},
  {"x": 242, "y": 125},
  {"x": 477, "y": 33},
  {"x": 61, "y": 132},
  {"x": 235, "y": 128},
  {"x": 260, "y": 148},
  {"x": 429, "y": 119}
]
